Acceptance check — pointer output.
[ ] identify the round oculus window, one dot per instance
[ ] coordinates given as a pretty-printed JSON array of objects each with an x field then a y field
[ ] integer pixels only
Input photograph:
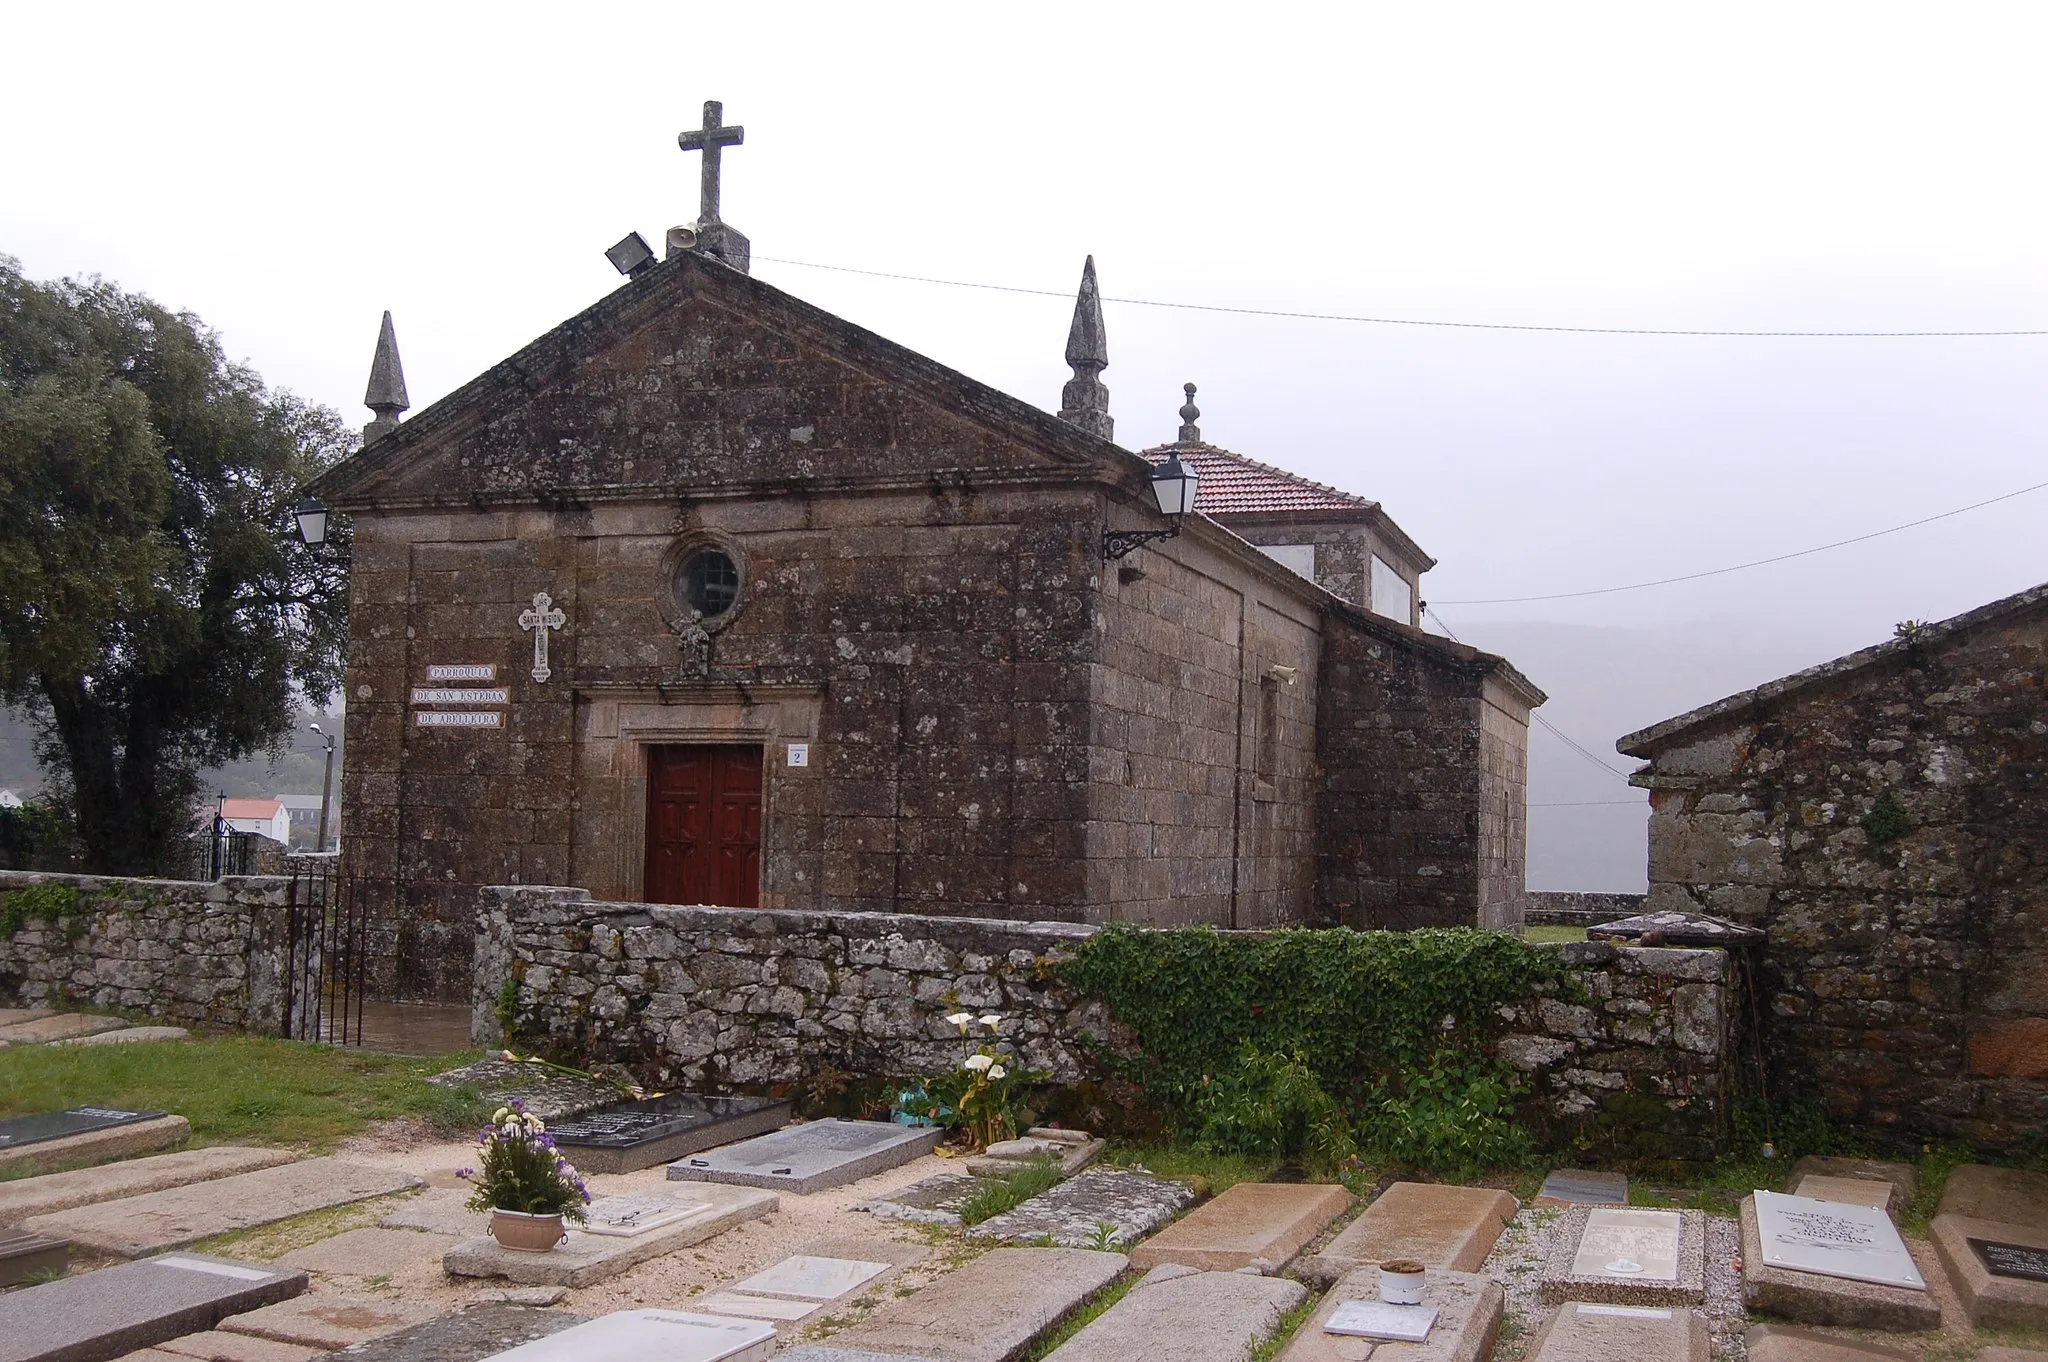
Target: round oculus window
[{"x": 710, "y": 582}]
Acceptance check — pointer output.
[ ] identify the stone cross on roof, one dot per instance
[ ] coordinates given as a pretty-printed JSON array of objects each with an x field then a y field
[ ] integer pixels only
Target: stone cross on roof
[
  {"x": 711, "y": 139},
  {"x": 714, "y": 238}
]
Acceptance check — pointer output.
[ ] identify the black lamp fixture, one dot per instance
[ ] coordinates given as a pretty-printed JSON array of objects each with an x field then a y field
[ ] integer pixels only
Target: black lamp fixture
[
  {"x": 1173, "y": 487},
  {"x": 312, "y": 518}
]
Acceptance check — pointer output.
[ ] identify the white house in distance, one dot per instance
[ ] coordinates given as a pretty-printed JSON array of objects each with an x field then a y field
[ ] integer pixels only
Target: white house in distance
[{"x": 264, "y": 817}]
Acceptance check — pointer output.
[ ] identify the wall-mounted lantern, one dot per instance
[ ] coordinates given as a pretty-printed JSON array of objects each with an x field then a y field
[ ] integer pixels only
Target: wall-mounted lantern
[
  {"x": 1173, "y": 487},
  {"x": 312, "y": 518}
]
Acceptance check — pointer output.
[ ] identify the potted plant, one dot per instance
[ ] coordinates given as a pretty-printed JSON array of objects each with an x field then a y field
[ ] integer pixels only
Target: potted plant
[{"x": 530, "y": 1190}]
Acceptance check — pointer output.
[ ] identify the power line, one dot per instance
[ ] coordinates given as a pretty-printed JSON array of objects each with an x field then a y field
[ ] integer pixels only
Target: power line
[
  {"x": 1759, "y": 562},
  {"x": 1544, "y": 723},
  {"x": 1392, "y": 321}
]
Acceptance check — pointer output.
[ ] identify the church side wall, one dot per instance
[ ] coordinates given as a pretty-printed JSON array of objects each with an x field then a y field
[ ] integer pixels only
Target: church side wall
[
  {"x": 1401, "y": 841},
  {"x": 1503, "y": 808},
  {"x": 1202, "y": 757},
  {"x": 1905, "y": 963}
]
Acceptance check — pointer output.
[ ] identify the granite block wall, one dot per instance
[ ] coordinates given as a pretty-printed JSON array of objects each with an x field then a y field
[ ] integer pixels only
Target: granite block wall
[
  {"x": 1884, "y": 818},
  {"x": 1420, "y": 814},
  {"x": 176, "y": 951},
  {"x": 1632, "y": 1055}
]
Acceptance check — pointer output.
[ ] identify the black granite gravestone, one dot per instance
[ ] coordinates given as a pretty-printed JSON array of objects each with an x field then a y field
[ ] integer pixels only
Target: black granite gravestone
[
  {"x": 55, "y": 1125},
  {"x": 633, "y": 1135},
  {"x": 2012, "y": 1260}
]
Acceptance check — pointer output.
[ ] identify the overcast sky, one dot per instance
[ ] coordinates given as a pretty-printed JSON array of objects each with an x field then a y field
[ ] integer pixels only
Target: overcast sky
[{"x": 288, "y": 173}]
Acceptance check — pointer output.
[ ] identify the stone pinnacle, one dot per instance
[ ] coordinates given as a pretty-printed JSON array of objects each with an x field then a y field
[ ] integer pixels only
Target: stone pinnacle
[
  {"x": 1190, "y": 433},
  {"x": 1084, "y": 401},
  {"x": 386, "y": 393}
]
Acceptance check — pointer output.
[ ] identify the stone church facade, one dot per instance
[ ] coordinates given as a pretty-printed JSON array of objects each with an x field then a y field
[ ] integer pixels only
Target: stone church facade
[{"x": 708, "y": 595}]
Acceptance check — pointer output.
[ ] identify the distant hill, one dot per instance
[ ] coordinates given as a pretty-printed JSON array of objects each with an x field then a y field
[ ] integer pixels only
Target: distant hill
[
  {"x": 297, "y": 771},
  {"x": 1587, "y": 828}
]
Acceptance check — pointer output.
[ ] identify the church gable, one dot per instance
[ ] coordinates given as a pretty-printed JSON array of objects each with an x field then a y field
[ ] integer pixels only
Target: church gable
[{"x": 701, "y": 380}]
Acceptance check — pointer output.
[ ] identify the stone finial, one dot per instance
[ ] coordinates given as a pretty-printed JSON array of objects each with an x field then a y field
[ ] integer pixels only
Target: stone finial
[
  {"x": 1190, "y": 433},
  {"x": 386, "y": 393},
  {"x": 1084, "y": 402}
]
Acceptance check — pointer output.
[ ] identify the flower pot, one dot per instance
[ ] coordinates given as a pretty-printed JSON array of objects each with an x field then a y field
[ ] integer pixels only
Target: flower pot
[
  {"x": 1401, "y": 1281},
  {"x": 525, "y": 1233}
]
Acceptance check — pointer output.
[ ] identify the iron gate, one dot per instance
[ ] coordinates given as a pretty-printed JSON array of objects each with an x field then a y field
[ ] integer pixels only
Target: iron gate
[{"x": 328, "y": 978}]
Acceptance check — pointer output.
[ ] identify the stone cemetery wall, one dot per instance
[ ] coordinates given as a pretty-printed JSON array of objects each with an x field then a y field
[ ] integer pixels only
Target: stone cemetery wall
[
  {"x": 720, "y": 998},
  {"x": 1573, "y": 908},
  {"x": 1643, "y": 1064},
  {"x": 175, "y": 950},
  {"x": 1883, "y": 818},
  {"x": 1421, "y": 816}
]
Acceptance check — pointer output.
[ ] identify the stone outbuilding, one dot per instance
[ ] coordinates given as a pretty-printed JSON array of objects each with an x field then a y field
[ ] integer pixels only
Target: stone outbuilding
[
  {"x": 1884, "y": 818},
  {"x": 709, "y": 596}
]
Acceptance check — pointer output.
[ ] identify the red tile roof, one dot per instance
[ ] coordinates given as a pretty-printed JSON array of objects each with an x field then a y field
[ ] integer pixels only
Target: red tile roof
[
  {"x": 1231, "y": 484},
  {"x": 262, "y": 809}
]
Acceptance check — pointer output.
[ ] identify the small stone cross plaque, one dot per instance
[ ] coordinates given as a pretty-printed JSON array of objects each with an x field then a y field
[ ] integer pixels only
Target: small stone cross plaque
[{"x": 544, "y": 616}]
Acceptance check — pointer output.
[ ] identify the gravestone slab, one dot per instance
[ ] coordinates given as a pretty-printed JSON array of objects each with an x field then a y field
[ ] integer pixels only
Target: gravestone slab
[
  {"x": 1576, "y": 1187},
  {"x": 1854, "y": 1191},
  {"x": 1253, "y": 1223},
  {"x": 584, "y": 1259},
  {"x": 652, "y": 1336},
  {"x": 132, "y": 1226},
  {"x": 26, "y": 1255},
  {"x": 1816, "y": 1298},
  {"x": 1469, "y": 1309},
  {"x": 811, "y": 1157},
  {"x": 438, "y": 1210},
  {"x": 59, "y": 1026},
  {"x": 2011, "y": 1196},
  {"x": 1435, "y": 1224},
  {"x": 101, "y": 1315},
  {"x": 466, "y": 1336},
  {"x": 1011, "y": 1156},
  {"x": 1789, "y": 1343},
  {"x": 629, "y": 1136},
  {"x": 756, "y": 1307},
  {"x": 85, "y": 1136},
  {"x": 1581, "y": 1332},
  {"x": 987, "y": 1311},
  {"x": 130, "y": 1035},
  {"x": 1999, "y": 1270},
  {"x": 633, "y": 1215},
  {"x": 215, "y": 1346},
  {"x": 1833, "y": 1238},
  {"x": 809, "y": 1278},
  {"x": 1200, "y": 1317},
  {"x": 21, "y": 1198},
  {"x": 330, "y": 1320},
  {"x": 1618, "y": 1256},
  {"x": 1102, "y": 1207},
  {"x": 369, "y": 1252},
  {"x": 1904, "y": 1177},
  {"x": 549, "y": 1095},
  {"x": 15, "y": 1016},
  {"x": 2012, "y": 1355},
  {"x": 934, "y": 1201}
]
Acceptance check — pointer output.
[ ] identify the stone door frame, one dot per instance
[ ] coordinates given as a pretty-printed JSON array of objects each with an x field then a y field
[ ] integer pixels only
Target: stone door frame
[{"x": 615, "y": 726}]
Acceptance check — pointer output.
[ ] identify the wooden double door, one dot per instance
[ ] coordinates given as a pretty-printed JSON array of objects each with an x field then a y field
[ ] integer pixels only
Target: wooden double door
[{"x": 704, "y": 825}]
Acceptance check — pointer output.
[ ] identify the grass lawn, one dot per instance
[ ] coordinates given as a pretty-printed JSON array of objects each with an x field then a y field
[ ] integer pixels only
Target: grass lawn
[
  {"x": 1539, "y": 935},
  {"x": 238, "y": 1088}
]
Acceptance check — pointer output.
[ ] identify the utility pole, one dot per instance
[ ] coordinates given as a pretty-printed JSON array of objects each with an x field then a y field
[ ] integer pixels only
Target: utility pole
[{"x": 326, "y": 787}]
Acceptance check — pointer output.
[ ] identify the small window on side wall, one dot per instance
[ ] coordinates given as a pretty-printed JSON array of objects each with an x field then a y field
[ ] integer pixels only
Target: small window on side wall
[
  {"x": 709, "y": 581},
  {"x": 1391, "y": 594}
]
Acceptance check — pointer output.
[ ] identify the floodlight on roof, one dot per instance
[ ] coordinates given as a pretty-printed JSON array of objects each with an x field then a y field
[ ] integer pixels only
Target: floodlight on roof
[{"x": 631, "y": 255}]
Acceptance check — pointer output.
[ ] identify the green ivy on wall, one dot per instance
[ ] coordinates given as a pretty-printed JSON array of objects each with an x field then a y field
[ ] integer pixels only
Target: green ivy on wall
[
  {"x": 38, "y": 902},
  {"x": 1390, "y": 1024}
]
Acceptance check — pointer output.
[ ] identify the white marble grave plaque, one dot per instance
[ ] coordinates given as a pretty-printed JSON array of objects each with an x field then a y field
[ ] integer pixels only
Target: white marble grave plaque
[
  {"x": 1377, "y": 1319},
  {"x": 1623, "y": 1312},
  {"x": 627, "y": 1217},
  {"x": 1834, "y": 1239},
  {"x": 651, "y": 1336},
  {"x": 1639, "y": 1245},
  {"x": 812, "y": 1279}
]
